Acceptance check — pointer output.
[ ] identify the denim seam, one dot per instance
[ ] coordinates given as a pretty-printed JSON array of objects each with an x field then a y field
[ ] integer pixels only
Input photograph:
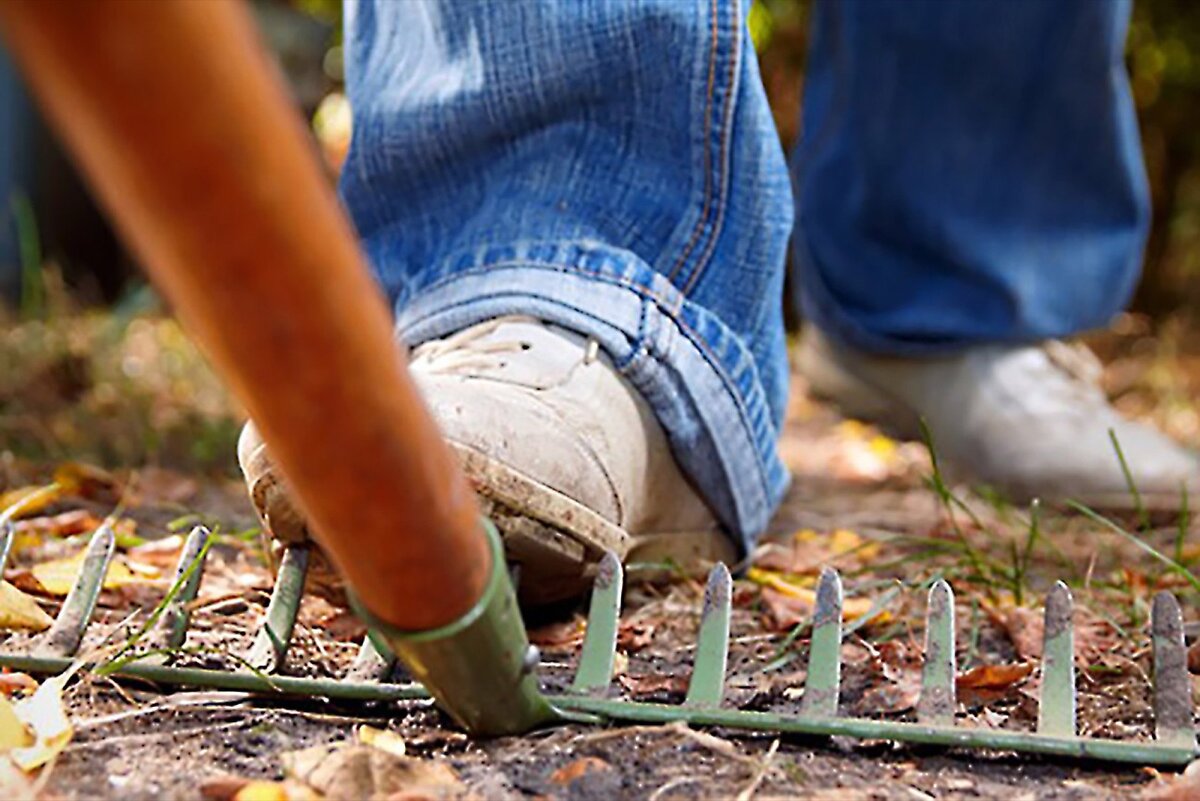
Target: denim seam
[
  {"x": 727, "y": 114},
  {"x": 640, "y": 344},
  {"x": 698, "y": 228},
  {"x": 696, "y": 340}
]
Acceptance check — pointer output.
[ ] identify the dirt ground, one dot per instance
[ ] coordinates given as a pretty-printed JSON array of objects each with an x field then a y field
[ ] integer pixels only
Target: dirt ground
[{"x": 860, "y": 502}]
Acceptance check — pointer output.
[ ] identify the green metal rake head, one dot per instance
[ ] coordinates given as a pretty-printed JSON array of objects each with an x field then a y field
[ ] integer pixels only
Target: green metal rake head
[{"x": 1174, "y": 740}]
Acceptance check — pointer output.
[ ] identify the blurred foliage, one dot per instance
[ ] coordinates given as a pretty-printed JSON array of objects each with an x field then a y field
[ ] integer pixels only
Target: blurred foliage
[
  {"x": 1163, "y": 53},
  {"x": 115, "y": 387}
]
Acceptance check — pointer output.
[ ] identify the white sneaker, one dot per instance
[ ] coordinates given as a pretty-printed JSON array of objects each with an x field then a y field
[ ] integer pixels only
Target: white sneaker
[
  {"x": 567, "y": 458},
  {"x": 1029, "y": 420}
]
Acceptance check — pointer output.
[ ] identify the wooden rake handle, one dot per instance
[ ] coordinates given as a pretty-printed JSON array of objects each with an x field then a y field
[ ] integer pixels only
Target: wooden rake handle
[{"x": 182, "y": 126}]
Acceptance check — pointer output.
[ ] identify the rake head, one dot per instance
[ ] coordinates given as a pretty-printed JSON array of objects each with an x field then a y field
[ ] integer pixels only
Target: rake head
[{"x": 1174, "y": 740}]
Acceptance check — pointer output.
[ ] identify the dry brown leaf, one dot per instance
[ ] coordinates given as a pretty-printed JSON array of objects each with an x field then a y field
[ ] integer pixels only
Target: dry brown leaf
[
  {"x": 1094, "y": 636},
  {"x": 894, "y": 697},
  {"x": 64, "y": 524},
  {"x": 564, "y": 634},
  {"x": 19, "y": 611},
  {"x": 352, "y": 771},
  {"x": 992, "y": 677},
  {"x": 1185, "y": 787},
  {"x": 87, "y": 481},
  {"x": 634, "y": 635},
  {"x": 221, "y": 788},
  {"x": 579, "y": 768},
  {"x": 651, "y": 683}
]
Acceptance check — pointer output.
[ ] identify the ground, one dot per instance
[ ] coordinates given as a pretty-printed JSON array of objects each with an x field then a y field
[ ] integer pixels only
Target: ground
[{"x": 864, "y": 503}]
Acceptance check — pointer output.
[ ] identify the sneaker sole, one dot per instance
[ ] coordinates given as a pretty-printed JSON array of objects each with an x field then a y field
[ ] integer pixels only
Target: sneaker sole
[{"x": 555, "y": 540}]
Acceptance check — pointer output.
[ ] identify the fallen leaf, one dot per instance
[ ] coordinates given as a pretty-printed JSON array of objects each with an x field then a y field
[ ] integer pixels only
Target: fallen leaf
[
  {"x": 801, "y": 557},
  {"x": 19, "y": 611},
  {"x": 16, "y": 682},
  {"x": 564, "y": 634},
  {"x": 1185, "y": 787},
  {"x": 27, "y": 500},
  {"x": 634, "y": 635},
  {"x": 57, "y": 576},
  {"x": 579, "y": 768},
  {"x": 893, "y": 697},
  {"x": 261, "y": 791},
  {"x": 382, "y": 739},
  {"x": 992, "y": 677},
  {"x": 64, "y": 524},
  {"x": 352, "y": 771},
  {"x": 651, "y": 683},
  {"x": 237, "y": 788},
  {"x": 45, "y": 716},
  {"x": 1094, "y": 636},
  {"x": 788, "y": 604},
  {"x": 87, "y": 480},
  {"x": 13, "y": 733},
  {"x": 222, "y": 788}
]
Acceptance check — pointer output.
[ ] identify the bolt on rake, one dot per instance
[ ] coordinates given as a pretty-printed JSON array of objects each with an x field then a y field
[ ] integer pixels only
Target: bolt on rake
[{"x": 588, "y": 698}]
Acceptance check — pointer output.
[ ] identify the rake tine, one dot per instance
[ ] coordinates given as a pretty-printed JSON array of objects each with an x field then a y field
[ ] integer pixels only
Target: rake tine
[
  {"x": 7, "y": 532},
  {"x": 175, "y": 618},
  {"x": 825, "y": 652},
  {"x": 1056, "y": 707},
  {"x": 66, "y": 634},
  {"x": 937, "y": 702},
  {"x": 372, "y": 662},
  {"x": 1172, "y": 685},
  {"x": 271, "y": 643},
  {"x": 600, "y": 641},
  {"x": 707, "y": 685}
]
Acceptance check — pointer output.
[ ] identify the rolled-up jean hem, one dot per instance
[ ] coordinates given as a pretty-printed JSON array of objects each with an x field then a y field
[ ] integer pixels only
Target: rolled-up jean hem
[{"x": 699, "y": 380}]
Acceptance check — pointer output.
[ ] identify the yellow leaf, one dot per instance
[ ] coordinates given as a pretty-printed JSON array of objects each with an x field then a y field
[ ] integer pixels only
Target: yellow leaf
[
  {"x": 44, "y": 715},
  {"x": 19, "y": 611},
  {"x": 382, "y": 739},
  {"x": 262, "y": 791},
  {"x": 883, "y": 447},
  {"x": 840, "y": 542},
  {"x": 852, "y": 608},
  {"x": 58, "y": 575},
  {"x": 27, "y": 500},
  {"x": 13, "y": 733}
]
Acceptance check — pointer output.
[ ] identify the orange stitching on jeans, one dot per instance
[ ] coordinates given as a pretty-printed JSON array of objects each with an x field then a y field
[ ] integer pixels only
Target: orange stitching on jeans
[
  {"x": 722, "y": 154},
  {"x": 707, "y": 167}
]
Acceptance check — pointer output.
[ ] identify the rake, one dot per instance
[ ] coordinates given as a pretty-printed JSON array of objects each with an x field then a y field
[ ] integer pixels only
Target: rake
[
  {"x": 588, "y": 697},
  {"x": 190, "y": 140}
]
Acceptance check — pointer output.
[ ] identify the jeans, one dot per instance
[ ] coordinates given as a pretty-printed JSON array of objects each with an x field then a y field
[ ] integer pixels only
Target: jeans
[{"x": 612, "y": 167}]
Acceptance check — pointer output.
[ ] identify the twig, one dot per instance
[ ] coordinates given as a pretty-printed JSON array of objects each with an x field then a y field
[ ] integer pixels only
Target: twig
[
  {"x": 764, "y": 767},
  {"x": 678, "y": 781}
]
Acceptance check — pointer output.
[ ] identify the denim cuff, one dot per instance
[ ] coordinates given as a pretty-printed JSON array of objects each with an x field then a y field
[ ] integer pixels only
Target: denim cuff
[{"x": 697, "y": 376}]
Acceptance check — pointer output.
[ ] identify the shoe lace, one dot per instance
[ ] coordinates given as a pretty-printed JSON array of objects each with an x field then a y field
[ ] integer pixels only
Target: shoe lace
[
  {"x": 1076, "y": 360},
  {"x": 467, "y": 352}
]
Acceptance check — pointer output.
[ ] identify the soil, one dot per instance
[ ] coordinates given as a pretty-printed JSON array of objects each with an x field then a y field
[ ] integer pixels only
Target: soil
[{"x": 136, "y": 741}]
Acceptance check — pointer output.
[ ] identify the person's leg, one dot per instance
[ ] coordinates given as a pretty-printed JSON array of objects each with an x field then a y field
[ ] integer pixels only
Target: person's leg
[
  {"x": 970, "y": 183},
  {"x": 610, "y": 169}
]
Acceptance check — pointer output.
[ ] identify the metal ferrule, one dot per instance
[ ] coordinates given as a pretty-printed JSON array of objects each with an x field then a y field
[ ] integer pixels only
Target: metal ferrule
[{"x": 480, "y": 669}]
